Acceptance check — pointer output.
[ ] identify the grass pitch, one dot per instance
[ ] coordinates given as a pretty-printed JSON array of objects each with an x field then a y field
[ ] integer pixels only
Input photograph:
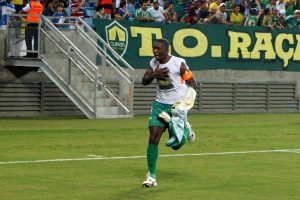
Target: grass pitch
[{"x": 95, "y": 159}]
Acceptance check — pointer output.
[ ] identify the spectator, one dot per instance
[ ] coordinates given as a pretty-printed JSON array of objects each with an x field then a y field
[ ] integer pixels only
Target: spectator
[
  {"x": 271, "y": 5},
  {"x": 236, "y": 18},
  {"x": 183, "y": 18},
  {"x": 108, "y": 7},
  {"x": 203, "y": 11},
  {"x": 275, "y": 18},
  {"x": 267, "y": 19},
  {"x": 143, "y": 14},
  {"x": 18, "y": 5},
  {"x": 236, "y": 3},
  {"x": 252, "y": 20},
  {"x": 31, "y": 31},
  {"x": 289, "y": 8},
  {"x": 252, "y": 3},
  {"x": 7, "y": 8},
  {"x": 297, "y": 5},
  {"x": 264, "y": 3},
  {"x": 229, "y": 9},
  {"x": 214, "y": 6},
  {"x": 157, "y": 12},
  {"x": 77, "y": 8},
  {"x": 65, "y": 3},
  {"x": 192, "y": 17},
  {"x": 178, "y": 8},
  {"x": 131, "y": 9},
  {"x": 52, "y": 7},
  {"x": 281, "y": 5},
  {"x": 242, "y": 3},
  {"x": 163, "y": 3},
  {"x": 100, "y": 14},
  {"x": 186, "y": 4},
  {"x": 292, "y": 21},
  {"x": 122, "y": 13},
  {"x": 117, "y": 3},
  {"x": 170, "y": 14},
  {"x": 211, "y": 18},
  {"x": 45, "y": 6},
  {"x": 221, "y": 16},
  {"x": 281, "y": 18},
  {"x": 60, "y": 14}
]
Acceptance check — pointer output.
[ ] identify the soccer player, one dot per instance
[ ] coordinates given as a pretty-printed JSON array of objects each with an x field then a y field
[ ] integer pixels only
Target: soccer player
[{"x": 173, "y": 78}]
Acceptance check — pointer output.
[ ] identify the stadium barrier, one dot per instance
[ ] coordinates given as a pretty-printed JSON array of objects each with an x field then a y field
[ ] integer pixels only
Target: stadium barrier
[
  {"x": 206, "y": 46},
  {"x": 43, "y": 98}
]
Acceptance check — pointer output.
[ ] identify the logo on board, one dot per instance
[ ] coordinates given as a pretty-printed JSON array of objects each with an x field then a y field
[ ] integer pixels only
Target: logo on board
[{"x": 117, "y": 37}]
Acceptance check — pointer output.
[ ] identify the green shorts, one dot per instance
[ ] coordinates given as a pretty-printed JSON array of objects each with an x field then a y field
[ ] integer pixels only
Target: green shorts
[{"x": 157, "y": 108}]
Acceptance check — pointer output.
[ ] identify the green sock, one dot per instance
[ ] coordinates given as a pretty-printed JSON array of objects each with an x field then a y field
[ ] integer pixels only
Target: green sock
[
  {"x": 185, "y": 135},
  {"x": 152, "y": 155}
]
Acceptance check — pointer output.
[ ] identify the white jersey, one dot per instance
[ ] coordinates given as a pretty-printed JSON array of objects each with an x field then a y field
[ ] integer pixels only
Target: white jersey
[
  {"x": 158, "y": 15},
  {"x": 174, "y": 88}
]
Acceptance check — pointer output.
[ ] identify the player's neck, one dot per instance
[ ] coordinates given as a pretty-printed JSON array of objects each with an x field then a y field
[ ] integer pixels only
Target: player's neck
[{"x": 165, "y": 59}]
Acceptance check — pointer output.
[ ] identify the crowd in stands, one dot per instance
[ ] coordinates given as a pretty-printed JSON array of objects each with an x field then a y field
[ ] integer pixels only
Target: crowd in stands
[{"x": 269, "y": 13}]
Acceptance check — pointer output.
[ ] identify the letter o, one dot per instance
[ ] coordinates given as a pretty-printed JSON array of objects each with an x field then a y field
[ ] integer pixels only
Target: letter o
[{"x": 182, "y": 50}]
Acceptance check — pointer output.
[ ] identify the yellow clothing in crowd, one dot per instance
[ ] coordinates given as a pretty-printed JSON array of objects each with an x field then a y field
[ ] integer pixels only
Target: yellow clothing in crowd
[
  {"x": 214, "y": 6},
  {"x": 17, "y": 2},
  {"x": 236, "y": 19}
]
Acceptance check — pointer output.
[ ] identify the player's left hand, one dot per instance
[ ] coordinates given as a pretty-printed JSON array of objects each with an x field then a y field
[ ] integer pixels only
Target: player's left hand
[{"x": 161, "y": 73}]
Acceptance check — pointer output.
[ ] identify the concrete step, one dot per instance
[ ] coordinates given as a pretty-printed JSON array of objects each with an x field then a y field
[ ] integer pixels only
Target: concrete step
[
  {"x": 58, "y": 65},
  {"x": 54, "y": 55},
  {"x": 103, "y": 102},
  {"x": 107, "y": 110},
  {"x": 80, "y": 78},
  {"x": 84, "y": 86},
  {"x": 90, "y": 94},
  {"x": 61, "y": 66}
]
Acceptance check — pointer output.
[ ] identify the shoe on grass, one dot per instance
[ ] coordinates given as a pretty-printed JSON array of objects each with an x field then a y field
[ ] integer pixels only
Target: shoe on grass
[
  {"x": 192, "y": 136},
  {"x": 149, "y": 182}
]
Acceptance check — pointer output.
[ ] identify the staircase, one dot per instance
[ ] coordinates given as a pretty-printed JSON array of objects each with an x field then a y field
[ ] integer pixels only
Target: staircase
[{"x": 95, "y": 78}]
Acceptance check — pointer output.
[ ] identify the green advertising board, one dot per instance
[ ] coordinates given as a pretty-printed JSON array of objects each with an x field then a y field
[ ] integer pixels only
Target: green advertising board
[{"x": 206, "y": 46}]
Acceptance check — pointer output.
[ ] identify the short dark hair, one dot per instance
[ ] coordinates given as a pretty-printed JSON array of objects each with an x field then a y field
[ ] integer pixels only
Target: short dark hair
[
  {"x": 60, "y": 5},
  {"x": 164, "y": 41},
  {"x": 122, "y": 4},
  {"x": 99, "y": 7},
  {"x": 171, "y": 3}
]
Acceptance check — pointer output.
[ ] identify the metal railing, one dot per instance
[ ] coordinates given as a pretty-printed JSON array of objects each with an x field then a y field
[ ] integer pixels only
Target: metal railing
[
  {"x": 17, "y": 25},
  {"x": 113, "y": 68},
  {"x": 69, "y": 58}
]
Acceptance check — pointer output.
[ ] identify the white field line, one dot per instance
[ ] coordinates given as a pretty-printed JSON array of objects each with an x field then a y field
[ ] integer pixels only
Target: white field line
[
  {"x": 96, "y": 157},
  {"x": 292, "y": 151}
]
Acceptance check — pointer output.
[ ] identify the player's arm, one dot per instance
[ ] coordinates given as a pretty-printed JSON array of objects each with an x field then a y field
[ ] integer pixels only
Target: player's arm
[
  {"x": 187, "y": 75},
  {"x": 158, "y": 73}
]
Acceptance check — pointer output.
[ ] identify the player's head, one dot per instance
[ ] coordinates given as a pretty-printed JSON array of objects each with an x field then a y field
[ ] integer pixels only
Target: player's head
[
  {"x": 160, "y": 48},
  {"x": 163, "y": 43}
]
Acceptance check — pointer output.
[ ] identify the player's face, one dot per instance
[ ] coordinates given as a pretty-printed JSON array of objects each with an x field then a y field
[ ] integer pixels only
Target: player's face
[{"x": 159, "y": 51}]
